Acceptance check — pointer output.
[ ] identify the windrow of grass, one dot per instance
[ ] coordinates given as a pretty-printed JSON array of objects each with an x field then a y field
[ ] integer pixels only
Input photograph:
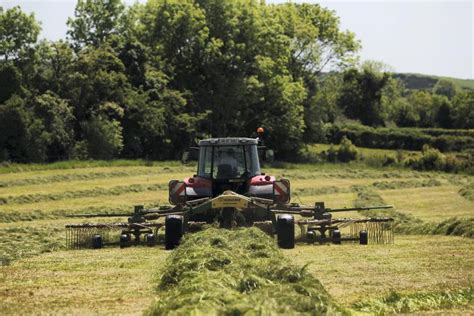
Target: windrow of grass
[
  {"x": 21, "y": 242},
  {"x": 35, "y": 215},
  {"x": 379, "y": 185},
  {"x": 409, "y": 224},
  {"x": 75, "y": 177},
  {"x": 117, "y": 190},
  {"x": 236, "y": 272},
  {"x": 467, "y": 192},
  {"x": 396, "y": 302},
  {"x": 6, "y": 167}
]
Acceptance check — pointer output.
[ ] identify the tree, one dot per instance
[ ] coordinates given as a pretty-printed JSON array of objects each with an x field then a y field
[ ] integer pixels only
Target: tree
[
  {"x": 54, "y": 65},
  {"x": 445, "y": 88},
  {"x": 94, "y": 22},
  {"x": 422, "y": 102},
  {"x": 10, "y": 81},
  {"x": 322, "y": 108},
  {"x": 361, "y": 95},
  {"x": 316, "y": 39},
  {"x": 463, "y": 110},
  {"x": 17, "y": 32},
  {"x": 103, "y": 136},
  {"x": 57, "y": 120},
  {"x": 443, "y": 112}
]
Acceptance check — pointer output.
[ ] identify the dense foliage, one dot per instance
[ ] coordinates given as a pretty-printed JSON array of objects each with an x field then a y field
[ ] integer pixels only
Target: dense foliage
[{"x": 148, "y": 80}]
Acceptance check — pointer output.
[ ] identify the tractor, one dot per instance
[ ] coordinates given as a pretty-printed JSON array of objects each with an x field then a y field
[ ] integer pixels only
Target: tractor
[{"x": 230, "y": 190}]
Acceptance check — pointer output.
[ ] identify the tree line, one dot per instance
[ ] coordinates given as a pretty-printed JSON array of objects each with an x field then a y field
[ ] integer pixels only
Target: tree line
[{"x": 148, "y": 80}]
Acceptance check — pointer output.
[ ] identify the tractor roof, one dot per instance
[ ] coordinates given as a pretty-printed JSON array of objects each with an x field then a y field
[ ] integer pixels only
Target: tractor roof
[{"x": 228, "y": 141}]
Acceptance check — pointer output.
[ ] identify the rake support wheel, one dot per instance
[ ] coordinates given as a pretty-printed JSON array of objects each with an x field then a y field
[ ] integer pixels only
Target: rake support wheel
[
  {"x": 364, "y": 237},
  {"x": 173, "y": 231},
  {"x": 286, "y": 231}
]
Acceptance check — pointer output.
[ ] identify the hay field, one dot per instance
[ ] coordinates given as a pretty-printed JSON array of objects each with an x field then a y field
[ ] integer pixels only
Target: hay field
[{"x": 37, "y": 275}]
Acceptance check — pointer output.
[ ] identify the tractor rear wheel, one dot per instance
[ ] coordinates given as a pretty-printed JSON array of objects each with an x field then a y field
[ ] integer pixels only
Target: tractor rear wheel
[
  {"x": 286, "y": 231},
  {"x": 97, "y": 242},
  {"x": 364, "y": 237},
  {"x": 173, "y": 231}
]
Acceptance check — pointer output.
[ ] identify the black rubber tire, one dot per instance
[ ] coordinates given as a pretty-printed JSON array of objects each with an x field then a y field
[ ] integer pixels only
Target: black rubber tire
[
  {"x": 363, "y": 237},
  {"x": 336, "y": 236},
  {"x": 124, "y": 240},
  {"x": 97, "y": 242},
  {"x": 286, "y": 231},
  {"x": 150, "y": 240},
  {"x": 311, "y": 235},
  {"x": 173, "y": 231}
]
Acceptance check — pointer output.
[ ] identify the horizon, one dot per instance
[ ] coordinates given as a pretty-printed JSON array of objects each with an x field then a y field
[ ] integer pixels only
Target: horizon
[{"x": 410, "y": 39}]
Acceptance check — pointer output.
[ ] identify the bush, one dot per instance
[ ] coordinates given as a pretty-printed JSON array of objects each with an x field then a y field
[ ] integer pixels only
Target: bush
[
  {"x": 433, "y": 159},
  {"x": 347, "y": 151},
  {"x": 402, "y": 138}
]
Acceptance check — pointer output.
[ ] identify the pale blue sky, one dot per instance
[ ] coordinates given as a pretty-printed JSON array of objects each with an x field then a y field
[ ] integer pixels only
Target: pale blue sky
[{"x": 431, "y": 37}]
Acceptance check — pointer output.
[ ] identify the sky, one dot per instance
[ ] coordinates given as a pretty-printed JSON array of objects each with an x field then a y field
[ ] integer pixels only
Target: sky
[{"x": 419, "y": 36}]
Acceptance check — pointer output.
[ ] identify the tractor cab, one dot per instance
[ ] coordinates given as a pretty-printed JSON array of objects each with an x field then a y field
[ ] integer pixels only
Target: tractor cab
[{"x": 228, "y": 162}]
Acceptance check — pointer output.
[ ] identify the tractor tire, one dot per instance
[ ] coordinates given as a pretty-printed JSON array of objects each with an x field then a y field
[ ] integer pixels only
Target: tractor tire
[
  {"x": 124, "y": 240},
  {"x": 363, "y": 237},
  {"x": 150, "y": 240},
  {"x": 97, "y": 242},
  {"x": 173, "y": 231},
  {"x": 336, "y": 236},
  {"x": 286, "y": 231}
]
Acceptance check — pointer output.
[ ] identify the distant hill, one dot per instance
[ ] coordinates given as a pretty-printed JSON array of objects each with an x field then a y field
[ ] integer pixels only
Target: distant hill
[{"x": 426, "y": 82}]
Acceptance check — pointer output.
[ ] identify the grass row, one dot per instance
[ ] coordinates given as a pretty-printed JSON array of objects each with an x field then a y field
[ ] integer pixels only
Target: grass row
[
  {"x": 117, "y": 190},
  {"x": 236, "y": 272},
  {"x": 379, "y": 185},
  {"x": 21, "y": 242},
  {"x": 396, "y": 302},
  {"x": 467, "y": 192},
  {"x": 6, "y": 167},
  {"x": 75, "y": 177},
  {"x": 408, "y": 224},
  {"x": 36, "y": 215}
]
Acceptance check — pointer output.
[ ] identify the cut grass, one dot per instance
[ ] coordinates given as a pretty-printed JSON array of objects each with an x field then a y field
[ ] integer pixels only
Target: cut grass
[
  {"x": 81, "y": 282},
  {"x": 431, "y": 204},
  {"x": 352, "y": 273},
  {"x": 76, "y": 205},
  {"x": 79, "y": 164},
  {"x": 121, "y": 281},
  {"x": 467, "y": 192},
  {"x": 116, "y": 190},
  {"x": 236, "y": 272},
  {"x": 409, "y": 224},
  {"x": 396, "y": 302},
  {"x": 21, "y": 242}
]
